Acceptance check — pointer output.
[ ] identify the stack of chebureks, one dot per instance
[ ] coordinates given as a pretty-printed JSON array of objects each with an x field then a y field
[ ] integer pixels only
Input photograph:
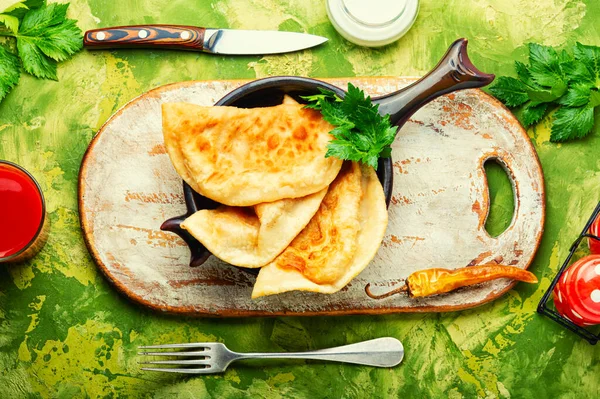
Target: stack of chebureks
[{"x": 309, "y": 222}]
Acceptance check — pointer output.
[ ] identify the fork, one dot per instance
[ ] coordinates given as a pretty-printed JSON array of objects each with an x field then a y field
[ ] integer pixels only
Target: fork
[{"x": 212, "y": 357}]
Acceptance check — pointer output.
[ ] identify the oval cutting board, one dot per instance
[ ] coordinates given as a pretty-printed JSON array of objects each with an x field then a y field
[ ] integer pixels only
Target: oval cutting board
[{"x": 128, "y": 187}]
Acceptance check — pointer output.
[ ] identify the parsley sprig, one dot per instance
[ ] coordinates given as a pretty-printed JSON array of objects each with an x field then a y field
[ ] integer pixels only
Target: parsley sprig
[
  {"x": 44, "y": 37},
  {"x": 361, "y": 134},
  {"x": 553, "y": 80}
]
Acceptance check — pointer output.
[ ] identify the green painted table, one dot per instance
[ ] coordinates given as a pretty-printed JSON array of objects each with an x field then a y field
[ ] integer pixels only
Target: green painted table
[{"x": 65, "y": 332}]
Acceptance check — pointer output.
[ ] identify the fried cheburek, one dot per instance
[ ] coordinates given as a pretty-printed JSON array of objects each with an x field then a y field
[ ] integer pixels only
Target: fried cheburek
[
  {"x": 339, "y": 241},
  {"x": 252, "y": 237},
  {"x": 243, "y": 157}
]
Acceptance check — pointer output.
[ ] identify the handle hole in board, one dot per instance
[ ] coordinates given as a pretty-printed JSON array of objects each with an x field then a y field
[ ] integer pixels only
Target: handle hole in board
[{"x": 502, "y": 198}]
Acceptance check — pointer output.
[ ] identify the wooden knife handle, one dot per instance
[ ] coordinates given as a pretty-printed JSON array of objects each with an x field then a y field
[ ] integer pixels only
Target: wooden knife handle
[{"x": 179, "y": 37}]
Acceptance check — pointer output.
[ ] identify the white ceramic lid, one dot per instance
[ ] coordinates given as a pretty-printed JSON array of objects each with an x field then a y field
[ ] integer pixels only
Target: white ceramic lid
[{"x": 372, "y": 23}]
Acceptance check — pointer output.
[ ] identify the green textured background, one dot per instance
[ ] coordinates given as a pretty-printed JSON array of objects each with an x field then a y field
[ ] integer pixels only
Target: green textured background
[{"x": 64, "y": 332}]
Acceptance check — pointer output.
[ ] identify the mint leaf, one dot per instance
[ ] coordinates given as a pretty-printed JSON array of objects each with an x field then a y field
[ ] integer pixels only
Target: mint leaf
[
  {"x": 360, "y": 133},
  {"x": 510, "y": 91},
  {"x": 533, "y": 113},
  {"x": 10, "y": 70},
  {"x": 572, "y": 123}
]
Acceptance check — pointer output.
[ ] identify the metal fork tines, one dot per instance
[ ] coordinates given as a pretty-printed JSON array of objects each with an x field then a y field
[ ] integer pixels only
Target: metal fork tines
[
  {"x": 213, "y": 357},
  {"x": 203, "y": 361}
]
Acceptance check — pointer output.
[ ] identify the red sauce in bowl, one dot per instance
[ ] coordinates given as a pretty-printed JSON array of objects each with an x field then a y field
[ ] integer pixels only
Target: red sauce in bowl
[{"x": 21, "y": 210}]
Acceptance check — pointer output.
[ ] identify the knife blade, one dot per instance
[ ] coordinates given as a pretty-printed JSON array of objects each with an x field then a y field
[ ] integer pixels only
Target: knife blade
[{"x": 216, "y": 41}]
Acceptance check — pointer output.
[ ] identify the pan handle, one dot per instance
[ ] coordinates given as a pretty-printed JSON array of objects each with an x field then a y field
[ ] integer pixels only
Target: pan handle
[
  {"x": 454, "y": 72},
  {"x": 199, "y": 253}
]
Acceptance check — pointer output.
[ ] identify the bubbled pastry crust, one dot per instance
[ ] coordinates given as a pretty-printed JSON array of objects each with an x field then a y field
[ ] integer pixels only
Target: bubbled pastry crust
[{"x": 243, "y": 157}]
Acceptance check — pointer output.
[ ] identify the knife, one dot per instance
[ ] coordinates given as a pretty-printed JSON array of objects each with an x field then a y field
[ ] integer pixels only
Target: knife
[{"x": 216, "y": 41}]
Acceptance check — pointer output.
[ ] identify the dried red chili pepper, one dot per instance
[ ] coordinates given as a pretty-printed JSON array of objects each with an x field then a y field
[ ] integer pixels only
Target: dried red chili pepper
[{"x": 438, "y": 281}]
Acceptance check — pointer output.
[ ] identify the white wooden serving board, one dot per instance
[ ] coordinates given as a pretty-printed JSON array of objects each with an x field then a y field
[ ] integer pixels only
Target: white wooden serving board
[{"x": 128, "y": 187}]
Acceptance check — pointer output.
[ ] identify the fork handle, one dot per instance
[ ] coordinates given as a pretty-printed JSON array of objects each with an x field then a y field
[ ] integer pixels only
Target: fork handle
[{"x": 380, "y": 352}]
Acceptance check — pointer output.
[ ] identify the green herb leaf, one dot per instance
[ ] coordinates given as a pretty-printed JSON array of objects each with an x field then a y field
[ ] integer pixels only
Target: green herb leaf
[
  {"x": 44, "y": 36},
  {"x": 315, "y": 100},
  {"x": 594, "y": 98},
  {"x": 58, "y": 42},
  {"x": 36, "y": 21},
  {"x": 356, "y": 100},
  {"x": 578, "y": 95},
  {"x": 10, "y": 22},
  {"x": 547, "y": 96},
  {"x": 589, "y": 56},
  {"x": 576, "y": 72},
  {"x": 544, "y": 65},
  {"x": 333, "y": 114},
  {"x": 525, "y": 76},
  {"x": 10, "y": 70},
  {"x": 569, "y": 82},
  {"x": 533, "y": 113},
  {"x": 34, "y": 61},
  {"x": 360, "y": 133},
  {"x": 51, "y": 33},
  {"x": 12, "y": 7},
  {"x": 572, "y": 123},
  {"x": 510, "y": 91},
  {"x": 21, "y": 8}
]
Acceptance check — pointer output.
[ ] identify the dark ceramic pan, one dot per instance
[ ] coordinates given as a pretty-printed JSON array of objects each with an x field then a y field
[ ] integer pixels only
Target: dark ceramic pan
[{"x": 454, "y": 72}]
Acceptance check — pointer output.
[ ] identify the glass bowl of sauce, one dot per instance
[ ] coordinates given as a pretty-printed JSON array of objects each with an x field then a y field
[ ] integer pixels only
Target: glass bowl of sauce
[{"x": 24, "y": 224}]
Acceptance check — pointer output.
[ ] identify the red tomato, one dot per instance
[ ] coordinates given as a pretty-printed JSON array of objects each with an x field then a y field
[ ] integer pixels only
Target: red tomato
[
  {"x": 577, "y": 293},
  {"x": 595, "y": 230}
]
